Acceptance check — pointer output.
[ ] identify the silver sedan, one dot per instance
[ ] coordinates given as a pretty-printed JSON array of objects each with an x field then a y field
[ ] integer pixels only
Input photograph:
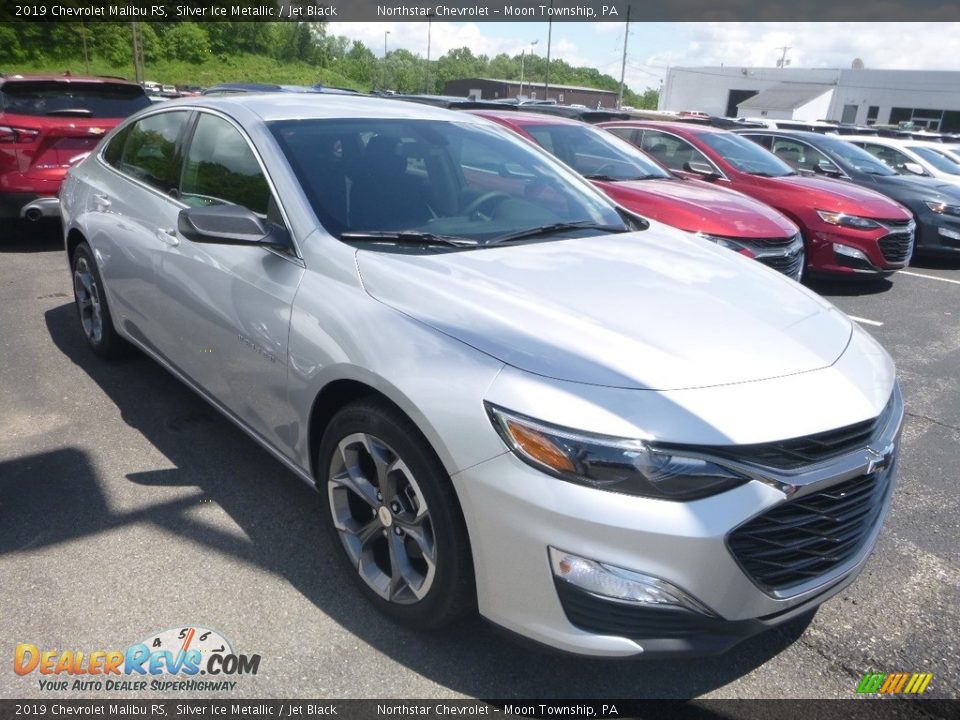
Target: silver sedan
[{"x": 512, "y": 395}]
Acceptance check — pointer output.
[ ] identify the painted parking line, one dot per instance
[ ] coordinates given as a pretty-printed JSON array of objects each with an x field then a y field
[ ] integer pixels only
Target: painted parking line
[
  {"x": 864, "y": 321},
  {"x": 929, "y": 277}
]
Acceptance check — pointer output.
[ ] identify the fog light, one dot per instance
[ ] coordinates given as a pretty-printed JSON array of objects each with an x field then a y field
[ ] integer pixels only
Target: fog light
[
  {"x": 620, "y": 584},
  {"x": 850, "y": 252},
  {"x": 948, "y": 233}
]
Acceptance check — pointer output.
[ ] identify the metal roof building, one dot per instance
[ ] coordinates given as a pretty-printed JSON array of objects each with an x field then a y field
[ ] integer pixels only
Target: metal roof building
[{"x": 928, "y": 98}]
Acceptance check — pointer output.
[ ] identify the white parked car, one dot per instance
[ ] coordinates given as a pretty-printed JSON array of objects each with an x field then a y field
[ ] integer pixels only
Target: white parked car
[{"x": 911, "y": 157}]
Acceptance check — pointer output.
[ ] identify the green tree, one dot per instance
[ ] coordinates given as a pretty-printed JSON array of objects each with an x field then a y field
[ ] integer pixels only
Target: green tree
[{"x": 186, "y": 41}]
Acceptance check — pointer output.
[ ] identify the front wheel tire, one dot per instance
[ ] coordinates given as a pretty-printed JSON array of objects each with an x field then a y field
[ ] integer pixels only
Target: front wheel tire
[{"x": 390, "y": 507}]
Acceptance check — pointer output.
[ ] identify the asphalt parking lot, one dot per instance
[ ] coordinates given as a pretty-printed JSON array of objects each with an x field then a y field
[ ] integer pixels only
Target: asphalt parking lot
[{"x": 128, "y": 506}]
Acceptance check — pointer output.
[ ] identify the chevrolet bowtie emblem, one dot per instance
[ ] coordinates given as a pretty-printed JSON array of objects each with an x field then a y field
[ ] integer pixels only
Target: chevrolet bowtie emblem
[
  {"x": 879, "y": 460},
  {"x": 96, "y": 131}
]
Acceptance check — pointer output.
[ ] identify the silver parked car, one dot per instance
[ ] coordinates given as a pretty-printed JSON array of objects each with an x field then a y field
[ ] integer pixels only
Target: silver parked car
[{"x": 511, "y": 394}]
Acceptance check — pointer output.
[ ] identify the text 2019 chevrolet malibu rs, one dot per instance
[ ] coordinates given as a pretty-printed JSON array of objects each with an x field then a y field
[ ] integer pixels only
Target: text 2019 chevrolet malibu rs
[{"x": 511, "y": 394}]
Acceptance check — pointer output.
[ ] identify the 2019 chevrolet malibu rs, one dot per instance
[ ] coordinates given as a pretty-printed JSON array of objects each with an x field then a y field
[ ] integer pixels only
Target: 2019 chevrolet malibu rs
[{"x": 511, "y": 394}]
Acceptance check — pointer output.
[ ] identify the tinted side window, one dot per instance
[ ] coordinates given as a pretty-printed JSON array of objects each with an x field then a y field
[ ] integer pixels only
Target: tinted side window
[
  {"x": 800, "y": 156},
  {"x": 631, "y": 135},
  {"x": 890, "y": 157},
  {"x": 150, "y": 151},
  {"x": 113, "y": 152},
  {"x": 671, "y": 151},
  {"x": 221, "y": 168}
]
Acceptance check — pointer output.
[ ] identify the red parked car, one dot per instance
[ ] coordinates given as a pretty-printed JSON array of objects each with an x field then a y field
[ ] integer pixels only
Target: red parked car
[
  {"x": 648, "y": 189},
  {"x": 842, "y": 224},
  {"x": 48, "y": 123}
]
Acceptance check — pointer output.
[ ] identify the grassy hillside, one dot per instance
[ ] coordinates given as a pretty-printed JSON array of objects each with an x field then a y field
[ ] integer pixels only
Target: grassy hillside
[{"x": 225, "y": 68}]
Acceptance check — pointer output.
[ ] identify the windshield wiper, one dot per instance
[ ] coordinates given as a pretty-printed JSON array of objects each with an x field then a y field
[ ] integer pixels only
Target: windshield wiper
[
  {"x": 760, "y": 173},
  {"x": 554, "y": 228},
  {"x": 79, "y": 112},
  {"x": 414, "y": 237},
  {"x": 610, "y": 178}
]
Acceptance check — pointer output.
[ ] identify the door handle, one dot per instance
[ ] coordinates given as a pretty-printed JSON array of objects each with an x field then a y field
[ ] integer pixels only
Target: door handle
[
  {"x": 101, "y": 202},
  {"x": 168, "y": 236}
]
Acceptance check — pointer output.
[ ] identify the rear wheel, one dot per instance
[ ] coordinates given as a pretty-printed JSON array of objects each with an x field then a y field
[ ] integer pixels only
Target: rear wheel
[
  {"x": 92, "y": 308},
  {"x": 390, "y": 507}
]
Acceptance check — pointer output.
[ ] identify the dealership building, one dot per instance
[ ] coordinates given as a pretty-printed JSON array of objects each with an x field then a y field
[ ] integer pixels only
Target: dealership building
[
  {"x": 493, "y": 89},
  {"x": 929, "y": 98}
]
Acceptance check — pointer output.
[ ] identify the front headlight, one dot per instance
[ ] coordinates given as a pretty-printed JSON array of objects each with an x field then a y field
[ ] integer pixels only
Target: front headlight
[
  {"x": 727, "y": 243},
  {"x": 632, "y": 467},
  {"x": 853, "y": 221},
  {"x": 942, "y": 208}
]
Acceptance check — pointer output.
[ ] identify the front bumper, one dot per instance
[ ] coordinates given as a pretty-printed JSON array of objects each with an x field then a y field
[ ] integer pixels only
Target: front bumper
[
  {"x": 515, "y": 514},
  {"x": 938, "y": 234},
  {"x": 843, "y": 251}
]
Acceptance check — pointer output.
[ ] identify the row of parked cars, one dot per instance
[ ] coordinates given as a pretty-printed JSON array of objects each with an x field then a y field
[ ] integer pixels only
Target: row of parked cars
[
  {"x": 516, "y": 390},
  {"x": 797, "y": 201}
]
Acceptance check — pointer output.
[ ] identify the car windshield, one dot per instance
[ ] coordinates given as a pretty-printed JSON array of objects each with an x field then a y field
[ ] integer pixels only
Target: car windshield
[
  {"x": 77, "y": 99},
  {"x": 434, "y": 181},
  {"x": 940, "y": 162},
  {"x": 745, "y": 155},
  {"x": 855, "y": 157},
  {"x": 594, "y": 153}
]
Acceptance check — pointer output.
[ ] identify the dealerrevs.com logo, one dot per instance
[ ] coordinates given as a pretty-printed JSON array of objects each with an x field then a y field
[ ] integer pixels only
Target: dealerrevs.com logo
[
  {"x": 168, "y": 661},
  {"x": 894, "y": 683}
]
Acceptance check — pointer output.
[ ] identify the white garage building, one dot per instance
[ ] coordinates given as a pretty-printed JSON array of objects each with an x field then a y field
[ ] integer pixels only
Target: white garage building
[{"x": 865, "y": 97}]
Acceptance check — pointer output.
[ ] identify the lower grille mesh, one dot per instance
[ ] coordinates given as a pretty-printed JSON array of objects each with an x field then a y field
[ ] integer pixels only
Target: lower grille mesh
[{"x": 810, "y": 536}]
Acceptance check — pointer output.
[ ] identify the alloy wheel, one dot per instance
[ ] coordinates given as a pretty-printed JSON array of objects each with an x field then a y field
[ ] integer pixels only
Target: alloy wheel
[
  {"x": 88, "y": 301},
  {"x": 382, "y": 518}
]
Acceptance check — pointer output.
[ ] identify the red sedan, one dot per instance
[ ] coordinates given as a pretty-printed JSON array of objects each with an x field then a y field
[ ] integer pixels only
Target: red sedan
[
  {"x": 638, "y": 184},
  {"x": 848, "y": 230}
]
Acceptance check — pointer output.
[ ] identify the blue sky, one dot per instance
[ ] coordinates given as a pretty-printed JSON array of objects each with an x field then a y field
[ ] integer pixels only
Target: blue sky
[{"x": 655, "y": 46}]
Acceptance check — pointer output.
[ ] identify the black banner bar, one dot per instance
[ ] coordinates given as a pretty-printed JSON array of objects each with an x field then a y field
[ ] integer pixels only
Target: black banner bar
[
  {"x": 473, "y": 10},
  {"x": 863, "y": 709}
]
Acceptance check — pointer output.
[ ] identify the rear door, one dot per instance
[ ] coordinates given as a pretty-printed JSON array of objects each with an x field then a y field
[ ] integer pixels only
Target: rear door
[{"x": 132, "y": 206}]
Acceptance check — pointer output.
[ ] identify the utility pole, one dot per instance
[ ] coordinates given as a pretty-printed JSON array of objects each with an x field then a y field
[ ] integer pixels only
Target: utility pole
[
  {"x": 385, "y": 33},
  {"x": 522, "y": 53},
  {"x": 546, "y": 82},
  {"x": 137, "y": 68},
  {"x": 83, "y": 37},
  {"x": 783, "y": 62},
  {"x": 428, "y": 89},
  {"x": 623, "y": 65}
]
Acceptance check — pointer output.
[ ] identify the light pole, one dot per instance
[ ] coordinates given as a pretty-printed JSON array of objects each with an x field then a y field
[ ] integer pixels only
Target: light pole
[
  {"x": 430, "y": 16},
  {"x": 386, "y": 32},
  {"x": 522, "y": 52}
]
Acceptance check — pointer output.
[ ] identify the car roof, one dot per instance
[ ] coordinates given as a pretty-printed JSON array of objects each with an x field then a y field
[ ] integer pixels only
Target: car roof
[
  {"x": 678, "y": 127},
  {"x": 521, "y": 118},
  {"x": 40, "y": 77},
  {"x": 293, "y": 106}
]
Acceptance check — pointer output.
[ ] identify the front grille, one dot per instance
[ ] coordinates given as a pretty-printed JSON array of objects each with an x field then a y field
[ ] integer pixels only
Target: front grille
[
  {"x": 789, "y": 265},
  {"x": 810, "y": 536},
  {"x": 897, "y": 247}
]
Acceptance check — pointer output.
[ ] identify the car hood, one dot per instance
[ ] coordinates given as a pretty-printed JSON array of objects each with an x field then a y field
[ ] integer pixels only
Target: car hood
[
  {"x": 917, "y": 187},
  {"x": 697, "y": 207},
  {"x": 841, "y": 196},
  {"x": 647, "y": 310}
]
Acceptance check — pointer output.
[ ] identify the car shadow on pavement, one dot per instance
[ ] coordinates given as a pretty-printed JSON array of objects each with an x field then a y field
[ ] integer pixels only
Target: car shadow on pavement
[
  {"x": 848, "y": 287},
  {"x": 40, "y": 236},
  {"x": 281, "y": 534},
  {"x": 936, "y": 262}
]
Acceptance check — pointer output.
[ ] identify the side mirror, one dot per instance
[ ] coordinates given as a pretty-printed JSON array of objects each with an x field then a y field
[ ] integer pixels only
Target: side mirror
[
  {"x": 915, "y": 168},
  {"x": 825, "y": 167},
  {"x": 700, "y": 168},
  {"x": 230, "y": 225}
]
